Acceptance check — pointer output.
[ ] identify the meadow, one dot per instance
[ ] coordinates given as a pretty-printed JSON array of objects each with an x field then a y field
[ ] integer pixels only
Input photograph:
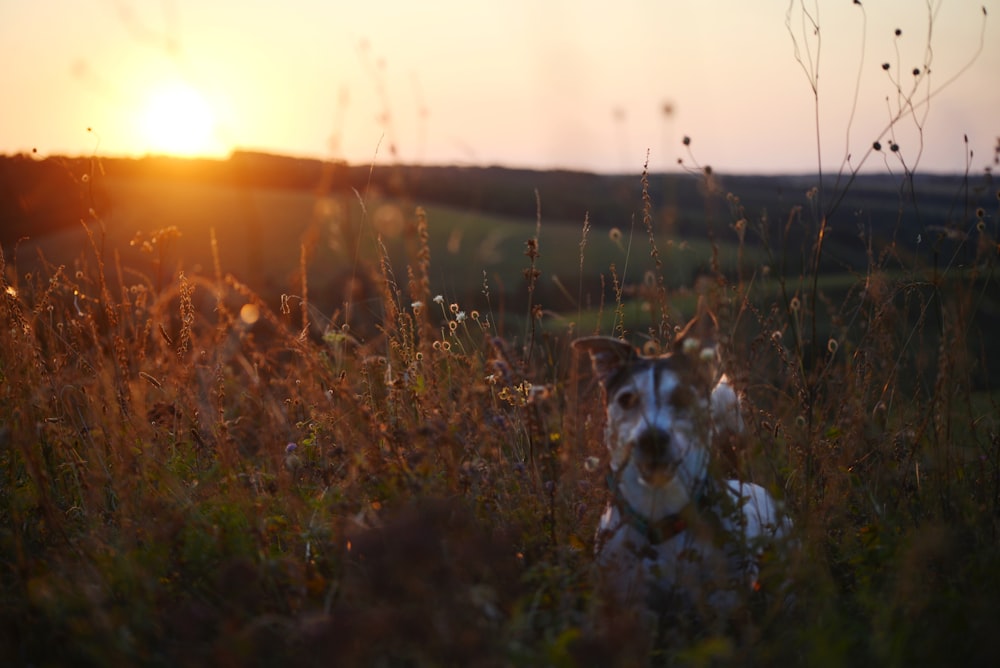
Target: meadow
[{"x": 251, "y": 426}]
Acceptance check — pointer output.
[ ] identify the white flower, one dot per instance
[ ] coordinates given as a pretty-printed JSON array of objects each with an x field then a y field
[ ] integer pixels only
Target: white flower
[
  {"x": 460, "y": 316},
  {"x": 438, "y": 299}
]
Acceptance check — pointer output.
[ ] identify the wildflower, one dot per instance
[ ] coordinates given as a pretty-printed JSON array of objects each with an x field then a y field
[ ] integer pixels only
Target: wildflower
[
  {"x": 686, "y": 141},
  {"x": 615, "y": 235},
  {"x": 453, "y": 308},
  {"x": 885, "y": 66},
  {"x": 877, "y": 146},
  {"x": 475, "y": 315},
  {"x": 417, "y": 305},
  {"x": 438, "y": 299},
  {"x": 460, "y": 316},
  {"x": 894, "y": 147}
]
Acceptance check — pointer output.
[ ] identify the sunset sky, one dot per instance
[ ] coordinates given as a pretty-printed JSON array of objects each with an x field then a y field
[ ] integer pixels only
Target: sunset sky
[{"x": 583, "y": 85}]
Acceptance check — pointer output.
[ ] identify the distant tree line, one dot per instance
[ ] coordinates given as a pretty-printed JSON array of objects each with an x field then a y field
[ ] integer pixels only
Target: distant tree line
[{"x": 38, "y": 197}]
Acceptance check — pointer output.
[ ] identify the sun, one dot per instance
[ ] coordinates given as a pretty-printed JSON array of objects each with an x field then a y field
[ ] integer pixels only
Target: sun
[{"x": 178, "y": 120}]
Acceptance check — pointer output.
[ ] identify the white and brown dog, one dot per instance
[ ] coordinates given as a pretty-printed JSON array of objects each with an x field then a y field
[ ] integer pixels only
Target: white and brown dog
[{"x": 673, "y": 537}]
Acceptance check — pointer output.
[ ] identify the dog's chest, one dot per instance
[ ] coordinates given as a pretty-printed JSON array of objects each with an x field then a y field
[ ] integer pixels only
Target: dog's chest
[{"x": 699, "y": 564}]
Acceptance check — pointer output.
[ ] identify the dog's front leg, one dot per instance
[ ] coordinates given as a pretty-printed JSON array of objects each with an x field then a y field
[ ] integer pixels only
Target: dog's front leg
[{"x": 622, "y": 587}]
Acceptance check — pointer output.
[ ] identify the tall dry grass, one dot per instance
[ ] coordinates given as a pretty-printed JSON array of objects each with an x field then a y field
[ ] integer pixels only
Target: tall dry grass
[{"x": 193, "y": 475}]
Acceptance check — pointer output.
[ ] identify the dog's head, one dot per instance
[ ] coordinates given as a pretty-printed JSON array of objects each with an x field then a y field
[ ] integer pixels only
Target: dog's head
[{"x": 662, "y": 412}]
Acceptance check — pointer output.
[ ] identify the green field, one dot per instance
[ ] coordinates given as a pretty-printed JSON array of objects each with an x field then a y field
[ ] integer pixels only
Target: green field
[{"x": 260, "y": 235}]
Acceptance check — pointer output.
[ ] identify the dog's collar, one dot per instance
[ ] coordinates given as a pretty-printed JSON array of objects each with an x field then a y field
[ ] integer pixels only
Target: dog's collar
[{"x": 664, "y": 528}]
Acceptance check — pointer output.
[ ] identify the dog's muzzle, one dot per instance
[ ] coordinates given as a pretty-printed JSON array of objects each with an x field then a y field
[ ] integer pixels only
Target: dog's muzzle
[{"x": 655, "y": 457}]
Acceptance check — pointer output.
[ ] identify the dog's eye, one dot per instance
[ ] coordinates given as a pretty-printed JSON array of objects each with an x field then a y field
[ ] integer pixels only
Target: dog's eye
[
  {"x": 682, "y": 398},
  {"x": 627, "y": 400}
]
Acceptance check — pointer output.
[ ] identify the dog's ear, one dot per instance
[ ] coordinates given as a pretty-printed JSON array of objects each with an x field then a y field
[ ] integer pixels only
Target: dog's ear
[{"x": 607, "y": 355}]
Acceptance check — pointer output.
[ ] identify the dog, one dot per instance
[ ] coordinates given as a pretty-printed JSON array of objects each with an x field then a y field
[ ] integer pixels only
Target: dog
[{"x": 674, "y": 537}]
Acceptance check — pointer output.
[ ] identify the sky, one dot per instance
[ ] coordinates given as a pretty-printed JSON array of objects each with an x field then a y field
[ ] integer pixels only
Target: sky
[{"x": 546, "y": 84}]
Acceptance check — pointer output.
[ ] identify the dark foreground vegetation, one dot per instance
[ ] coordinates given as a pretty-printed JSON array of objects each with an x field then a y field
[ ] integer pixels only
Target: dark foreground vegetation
[{"x": 208, "y": 466}]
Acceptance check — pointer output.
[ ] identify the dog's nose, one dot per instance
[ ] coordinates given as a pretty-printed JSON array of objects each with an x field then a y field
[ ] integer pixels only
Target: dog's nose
[{"x": 654, "y": 445}]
